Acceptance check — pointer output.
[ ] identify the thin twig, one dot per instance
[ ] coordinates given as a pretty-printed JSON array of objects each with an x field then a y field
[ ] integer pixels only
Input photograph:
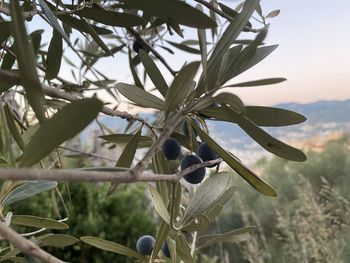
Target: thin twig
[
  {"x": 25, "y": 245},
  {"x": 96, "y": 176},
  {"x": 57, "y": 93}
]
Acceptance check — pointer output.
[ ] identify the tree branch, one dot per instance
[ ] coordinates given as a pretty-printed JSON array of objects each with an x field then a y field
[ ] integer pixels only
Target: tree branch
[
  {"x": 25, "y": 245},
  {"x": 96, "y": 176}
]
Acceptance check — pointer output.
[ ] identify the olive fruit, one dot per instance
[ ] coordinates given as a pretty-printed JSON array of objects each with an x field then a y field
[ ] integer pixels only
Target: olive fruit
[
  {"x": 206, "y": 153},
  {"x": 185, "y": 128},
  {"x": 196, "y": 176},
  {"x": 171, "y": 149},
  {"x": 137, "y": 46},
  {"x": 145, "y": 245},
  {"x": 165, "y": 250}
]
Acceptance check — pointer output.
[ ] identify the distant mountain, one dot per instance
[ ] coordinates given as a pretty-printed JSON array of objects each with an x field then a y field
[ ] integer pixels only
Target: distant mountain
[{"x": 324, "y": 118}]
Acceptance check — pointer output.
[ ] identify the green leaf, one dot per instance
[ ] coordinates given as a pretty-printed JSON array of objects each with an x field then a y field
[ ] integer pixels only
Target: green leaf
[
  {"x": 90, "y": 30},
  {"x": 268, "y": 142},
  {"x": 110, "y": 18},
  {"x": 162, "y": 234},
  {"x": 127, "y": 156},
  {"x": 217, "y": 206},
  {"x": 207, "y": 193},
  {"x": 179, "y": 11},
  {"x": 260, "y": 82},
  {"x": 5, "y": 31},
  {"x": 237, "y": 235},
  {"x": 272, "y": 117},
  {"x": 273, "y": 14},
  {"x": 64, "y": 125},
  {"x": 139, "y": 96},
  {"x": 201, "y": 223},
  {"x": 236, "y": 165},
  {"x": 230, "y": 99},
  {"x": 39, "y": 222},
  {"x": 13, "y": 128},
  {"x": 181, "y": 87},
  {"x": 110, "y": 246},
  {"x": 123, "y": 139},
  {"x": 56, "y": 240},
  {"x": 213, "y": 72},
  {"x": 159, "y": 205},
  {"x": 80, "y": 25},
  {"x": 183, "y": 249},
  {"x": 184, "y": 47},
  {"x": 8, "y": 78},
  {"x": 232, "y": 32},
  {"x": 154, "y": 73},
  {"x": 54, "y": 55},
  {"x": 26, "y": 62},
  {"x": 260, "y": 54},
  {"x": 27, "y": 190},
  {"x": 160, "y": 166},
  {"x": 53, "y": 21}
]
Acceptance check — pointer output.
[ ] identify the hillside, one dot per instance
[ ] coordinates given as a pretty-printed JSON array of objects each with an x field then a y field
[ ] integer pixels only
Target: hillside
[{"x": 325, "y": 120}]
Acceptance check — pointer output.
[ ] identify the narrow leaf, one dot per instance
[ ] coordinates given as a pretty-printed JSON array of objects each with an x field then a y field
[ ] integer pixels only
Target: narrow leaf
[
  {"x": 179, "y": 11},
  {"x": 110, "y": 18},
  {"x": 268, "y": 142},
  {"x": 27, "y": 190},
  {"x": 64, "y": 125},
  {"x": 184, "y": 47},
  {"x": 207, "y": 193},
  {"x": 273, "y": 14},
  {"x": 159, "y": 205},
  {"x": 54, "y": 56},
  {"x": 236, "y": 165},
  {"x": 56, "y": 240},
  {"x": 123, "y": 139},
  {"x": 181, "y": 87},
  {"x": 53, "y": 21},
  {"x": 237, "y": 235},
  {"x": 272, "y": 117},
  {"x": 139, "y": 96},
  {"x": 127, "y": 156},
  {"x": 183, "y": 249},
  {"x": 26, "y": 62},
  {"x": 162, "y": 234},
  {"x": 154, "y": 73},
  {"x": 5, "y": 31},
  {"x": 13, "y": 128},
  {"x": 260, "y": 82},
  {"x": 110, "y": 246},
  {"x": 39, "y": 222}
]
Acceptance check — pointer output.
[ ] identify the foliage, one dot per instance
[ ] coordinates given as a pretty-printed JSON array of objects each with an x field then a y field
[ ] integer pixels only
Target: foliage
[
  {"x": 309, "y": 223},
  {"x": 41, "y": 110},
  {"x": 123, "y": 218}
]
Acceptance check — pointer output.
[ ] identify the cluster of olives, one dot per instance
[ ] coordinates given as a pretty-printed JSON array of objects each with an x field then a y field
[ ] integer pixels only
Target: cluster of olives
[
  {"x": 145, "y": 245},
  {"x": 171, "y": 149}
]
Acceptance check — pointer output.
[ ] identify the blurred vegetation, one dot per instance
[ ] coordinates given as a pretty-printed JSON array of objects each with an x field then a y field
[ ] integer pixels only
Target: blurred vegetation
[
  {"x": 122, "y": 217},
  {"x": 309, "y": 220}
]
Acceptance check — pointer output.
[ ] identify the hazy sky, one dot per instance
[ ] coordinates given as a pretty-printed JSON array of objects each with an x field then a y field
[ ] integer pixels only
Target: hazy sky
[{"x": 313, "y": 54}]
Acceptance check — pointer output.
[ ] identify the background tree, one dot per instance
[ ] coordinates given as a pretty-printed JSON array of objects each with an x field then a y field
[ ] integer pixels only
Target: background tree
[{"x": 42, "y": 110}]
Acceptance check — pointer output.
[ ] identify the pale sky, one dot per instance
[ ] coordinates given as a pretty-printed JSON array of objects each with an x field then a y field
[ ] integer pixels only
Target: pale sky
[{"x": 313, "y": 54}]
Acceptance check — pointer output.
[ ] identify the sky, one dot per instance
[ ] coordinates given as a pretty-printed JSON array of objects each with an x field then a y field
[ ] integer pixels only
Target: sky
[{"x": 313, "y": 54}]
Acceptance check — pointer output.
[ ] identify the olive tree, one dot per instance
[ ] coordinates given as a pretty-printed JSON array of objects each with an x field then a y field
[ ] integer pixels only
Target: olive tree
[{"x": 55, "y": 108}]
